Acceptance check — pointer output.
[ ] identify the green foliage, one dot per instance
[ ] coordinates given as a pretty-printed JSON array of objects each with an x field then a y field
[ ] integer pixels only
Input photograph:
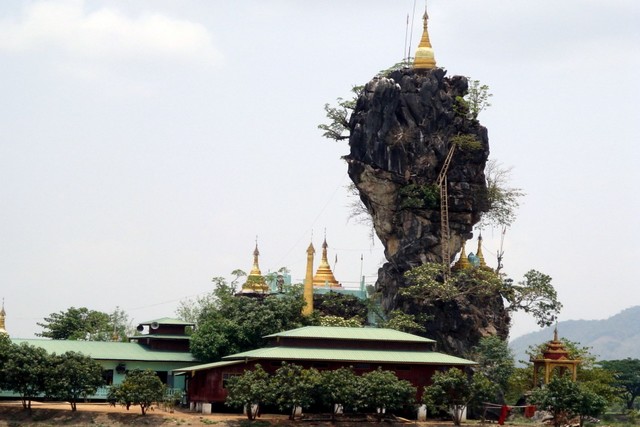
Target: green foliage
[
  {"x": 453, "y": 390},
  {"x": 626, "y": 376},
  {"x": 565, "y": 399},
  {"x": 477, "y": 98},
  {"x": 294, "y": 387},
  {"x": 534, "y": 295},
  {"x": 341, "y": 305},
  {"x": 466, "y": 142},
  {"x": 383, "y": 390},
  {"x": 25, "y": 372},
  {"x": 229, "y": 324},
  {"x": 338, "y": 386},
  {"x": 84, "y": 324},
  {"x": 416, "y": 196},
  {"x": 354, "y": 322},
  {"x": 495, "y": 361},
  {"x": 401, "y": 321},
  {"x": 249, "y": 390},
  {"x": 138, "y": 388},
  {"x": 427, "y": 283},
  {"x": 338, "y": 116},
  {"x": 73, "y": 376},
  {"x": 503, "y": 199}
]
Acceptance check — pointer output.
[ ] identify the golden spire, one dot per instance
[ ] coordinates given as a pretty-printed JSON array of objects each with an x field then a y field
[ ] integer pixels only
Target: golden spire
[
  {"x": 324, "y": 275},
  {"x": 463, "y": 262},
  {"x": 3, "y": 315},
  {"x": 255, "y": 282},
  {"x": 424, "y": 58},
  {"x": 479, "y": 252},
  {"x": 308, "y": 282}
]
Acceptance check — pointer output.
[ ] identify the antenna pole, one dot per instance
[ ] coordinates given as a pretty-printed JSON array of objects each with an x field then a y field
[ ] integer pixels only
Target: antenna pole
[
  {"x": 406, "y": 35},
  {"x": 411, "y": 33}
]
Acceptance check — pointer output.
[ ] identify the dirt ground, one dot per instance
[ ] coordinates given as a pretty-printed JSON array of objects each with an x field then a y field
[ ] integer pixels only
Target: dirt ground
[{"x": 102, "y": 414}]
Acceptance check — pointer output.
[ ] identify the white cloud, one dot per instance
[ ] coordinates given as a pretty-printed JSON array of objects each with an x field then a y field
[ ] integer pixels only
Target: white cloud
[{"x": 106, "y": 35}]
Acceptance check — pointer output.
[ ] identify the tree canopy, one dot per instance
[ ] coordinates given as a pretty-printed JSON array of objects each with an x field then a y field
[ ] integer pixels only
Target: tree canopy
[
  {"x": 85, "y": 324},
  {"x": 228, "y": 324},
  {"x": 73, "y": 377},
  {"x": 139, "y": 387},
  {"x": 626, "y": 373}
]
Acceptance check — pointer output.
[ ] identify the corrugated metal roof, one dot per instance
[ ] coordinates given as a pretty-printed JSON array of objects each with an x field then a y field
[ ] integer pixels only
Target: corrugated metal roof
[
  {"x": 342, "y": 333},
  {"x": 208, "y": 366},
  {"x": 351, "y": 355},
  {"x": 167, "y": 321},
  {"x": 109, "y": 350}
]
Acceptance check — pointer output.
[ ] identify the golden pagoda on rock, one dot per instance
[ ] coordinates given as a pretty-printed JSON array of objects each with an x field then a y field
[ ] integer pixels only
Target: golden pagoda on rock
[
  {"x": 424, "y": 58},
  {"x": 324, "y": 276},
  {"x": 463, "y": 262},
  {"x": 255, "y": 281}
]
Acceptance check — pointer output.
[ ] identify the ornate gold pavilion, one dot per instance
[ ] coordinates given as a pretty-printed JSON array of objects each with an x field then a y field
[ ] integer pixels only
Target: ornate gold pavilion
[{"x": 555, "y": 356}]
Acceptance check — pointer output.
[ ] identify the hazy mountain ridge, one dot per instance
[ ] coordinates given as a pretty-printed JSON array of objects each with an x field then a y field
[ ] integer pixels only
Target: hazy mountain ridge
[{"x": 617, "y": 337}]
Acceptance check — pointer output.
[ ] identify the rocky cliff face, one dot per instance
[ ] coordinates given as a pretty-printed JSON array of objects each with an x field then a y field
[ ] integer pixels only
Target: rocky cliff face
[{"x": 400, "y": 133}]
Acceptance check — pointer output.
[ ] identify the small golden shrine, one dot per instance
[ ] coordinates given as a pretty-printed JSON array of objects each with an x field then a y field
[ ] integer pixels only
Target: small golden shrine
[
  {"x": 424, "y": 58},
  {"x": 472, "y": 260},
  {"x": 324, "y": 276},
  {"x": 255, "y": 281},
  {"x": 554, "y": 356}
]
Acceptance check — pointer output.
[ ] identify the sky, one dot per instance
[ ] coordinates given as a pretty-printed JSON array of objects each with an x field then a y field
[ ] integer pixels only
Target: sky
[{"x": 144, "y": 145}]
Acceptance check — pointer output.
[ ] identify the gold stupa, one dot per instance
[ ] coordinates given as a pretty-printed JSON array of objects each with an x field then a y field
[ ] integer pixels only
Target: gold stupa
[
  {"x": 255, "y": 281},
  {"x": 463, "y": 262},
  {"x": 424, "y": 58},
  {"x": 324, "y": 276},
  {"x": 3, "y": 315}
]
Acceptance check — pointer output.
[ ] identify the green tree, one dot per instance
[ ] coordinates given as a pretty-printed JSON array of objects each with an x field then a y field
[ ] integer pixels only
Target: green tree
[
  {"x": 477, "y": 97},
  {"x": 495, "y": 361},
  {"x": 535, "y": 295},
  {"x": 354, "y": 322},
  {"x": 249, "y": 391},
  {"x": 338, "y": 387},
  {"x": 294, "y": 387},
  {"x": 25, "y": 372},
  {"x": 138, "y": 388},
  {"x": 565, "y": 399},
  {"x": 79, "y": 324},
  {"x": 73, "y": 376},
  {"x": 229, "y": 324},
  {"x": 383, "y": 391},
  {"x": 453, "y": 390},
  {"x": 503, "y": 199},
  {"x": 401, "y": 321},
  {"x": 626, "y": 374}
]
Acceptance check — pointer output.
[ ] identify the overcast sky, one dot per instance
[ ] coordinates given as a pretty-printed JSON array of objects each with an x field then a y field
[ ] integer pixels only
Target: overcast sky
[{"x": 144, "y": 145}]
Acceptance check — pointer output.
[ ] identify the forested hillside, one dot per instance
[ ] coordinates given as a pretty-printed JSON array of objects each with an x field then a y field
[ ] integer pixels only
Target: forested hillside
[{"x": 617, "y": 337}]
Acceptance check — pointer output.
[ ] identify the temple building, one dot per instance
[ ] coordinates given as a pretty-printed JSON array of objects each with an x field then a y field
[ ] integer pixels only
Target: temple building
[{"x": 554, "y": 356}]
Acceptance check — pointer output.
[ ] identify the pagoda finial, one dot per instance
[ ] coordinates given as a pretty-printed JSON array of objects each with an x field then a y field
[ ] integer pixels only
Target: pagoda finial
[
  {"x": 463, "y": 262},
  {"x": 324, "y": 276},
  {"x": 255, "y": 282},
  {"x": 479, "y": 252},
  {"x": 424, "y": 58}
]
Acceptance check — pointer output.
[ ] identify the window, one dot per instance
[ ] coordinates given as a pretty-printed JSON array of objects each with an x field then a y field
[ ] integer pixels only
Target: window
[
  {"x": 107, "y": 376},
  {"x": 362, "y": 366},
  {"x": 403, "y": 368},
  {"x": 320, "y": 365},
  {"x": 226, "y": 377}
]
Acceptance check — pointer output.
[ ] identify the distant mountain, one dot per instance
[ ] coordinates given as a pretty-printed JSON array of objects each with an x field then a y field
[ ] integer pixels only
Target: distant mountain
[{"x": 617, "y": 337}]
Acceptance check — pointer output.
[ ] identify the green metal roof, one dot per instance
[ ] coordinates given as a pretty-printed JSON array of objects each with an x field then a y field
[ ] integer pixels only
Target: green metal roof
[
  {"x": 167, "y": 321},
  {"x": 102, "y": 350},
  {"x": 351, "y": 355},
  {"x": 208, "y": 366},
  {"x": 343, "y": 333}
]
